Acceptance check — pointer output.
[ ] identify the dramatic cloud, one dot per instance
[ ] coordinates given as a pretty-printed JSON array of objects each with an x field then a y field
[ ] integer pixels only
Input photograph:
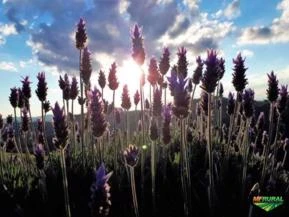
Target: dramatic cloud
[
  {"x": 164, "y": 23},
  {"x": 277, "y": 32},
  {"x": 233, "y": 10}
]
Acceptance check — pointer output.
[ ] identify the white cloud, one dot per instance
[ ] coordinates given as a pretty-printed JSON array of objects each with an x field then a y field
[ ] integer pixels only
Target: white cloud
[
  {"x": 246, "y": 53},
  {"x": 233, "y": 10},
  {"x": 277, "y": 32},
  {"x": 8, "y": 66},
  {"x": 7, "y": 29}
]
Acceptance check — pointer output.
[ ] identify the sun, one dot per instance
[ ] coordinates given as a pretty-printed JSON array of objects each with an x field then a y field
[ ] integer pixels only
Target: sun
[{"x": 130, "y": 74}]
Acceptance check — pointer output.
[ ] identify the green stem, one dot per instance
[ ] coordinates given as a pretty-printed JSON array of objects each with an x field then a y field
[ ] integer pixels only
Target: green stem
[
  {"x": 65, "y": 183},
  {"x": 153, "y": 174},
  {"x": 133, "y": 190},
  {"x": 210, "y": 155}
]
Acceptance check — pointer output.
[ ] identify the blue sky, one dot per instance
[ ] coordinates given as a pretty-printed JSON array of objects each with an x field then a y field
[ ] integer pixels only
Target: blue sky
[{"x": 38, "y": 35}]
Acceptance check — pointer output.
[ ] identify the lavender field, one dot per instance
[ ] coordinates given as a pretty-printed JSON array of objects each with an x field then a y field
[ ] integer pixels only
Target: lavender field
[{"x": 164, "y": 150}]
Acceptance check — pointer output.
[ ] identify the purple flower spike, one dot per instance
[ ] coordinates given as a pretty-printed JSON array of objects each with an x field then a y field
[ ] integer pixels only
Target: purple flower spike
[
  {"x": 182, "y": 62},
  {"x": 198, "y": 72},
  {"x": 125, "y": 100},
  {"x": 80, "y": 36},
  {"x": 231, "y": 104},
  {"x": 100, "y": 193},
  {"x": 211, "y": 74},
  {"x": 41, "y": 90},
  {"x": 157, "y": 102},
  {"x": 26, "y": 89},
  {"x": 13, "y": 98},
  {"x": 112, "y": 78},
  {"x": 173, "y": 80},
  {"x": 136, "y": 98},
  {"x": 273, "y": 90},
  {"x": 153, "y": 130},
  {"x": 99, "y": 124},
  {"x": 131, "y": 155},
  {"x": 221, "y": 68},
  {"x": 25, "y": 120},
  {"x": 64, "y": 85},
  {"x": 165, "y": 62},
  {"x": 221, "y": 90},
  {"x": 21, "y": 100},
  {"x": 46, "y": 106},
  {"x": 86, "y": 68},
  {"x": 153, "y": 75},
  {"x": 138, "y": 52},
  {"x": 101, "y": 79},
  {"x": 181, "y": 98},
  {"x": 283, "y": 99},
  {"x": 239, "y": 74},
  {"x": 74, "y": 88},
  {"x": 248, "y": 103},
  {"x": 60, "y": 127},
  {"x": 39, "y": 156}
]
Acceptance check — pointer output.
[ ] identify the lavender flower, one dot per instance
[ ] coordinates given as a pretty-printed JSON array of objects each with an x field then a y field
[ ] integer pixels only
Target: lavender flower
[
  {"x": 86, "y": 68},
  {"x": 64, "y": 85},
  {"x": 46, "y": 106},
  {"x": 60, "y": 127},
  {"x": 157, "y": 102},
  {"x": 153, "y": 75},
  {"x": 221, "y": 90},
  {"x": 167, "y": 116},
  {"x": 26, "y": 90},
  {"x": 221, "y": 68},
  {"x": 153, "y": 130},
  {"x": 112, "y": 79},
  {"x": 125, "y": 100},
  {"x": 198, "y": 72},
  {"x": 39, "y": 125},
  {"x": 99, "y": 124},
  {"x": 273, "y": 90},
  {"x": 283, "y": 98},
  {"x": 173, "y": 81},
  {"x": 9, "y": 120},
  {"x": 138, "y": 52},
  {"x": 73, "y": 88},
  {"x": 80, "y": 36},
  {"x": 131, "y": 155},
  {"x": 136, "y": 98},
  {"x": 248, "y": 103},
  {"x": 25, "y": 120},
  {"x": 41, "y": 90},
  {"x": 210, "y": 77},
  {"x": 39, "y": 156},
  {"x": 13, "y": 98},
  {"x": 239, "y": 76},
  {"x": 164, "y": 64},
  {"x": 21, "y": 100},
  {"x": 182, "y": 62},
  {"x": 100, "y": 193},
  {"x": 101, "y": 79},
  {"x": 181, "y": 98}
]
